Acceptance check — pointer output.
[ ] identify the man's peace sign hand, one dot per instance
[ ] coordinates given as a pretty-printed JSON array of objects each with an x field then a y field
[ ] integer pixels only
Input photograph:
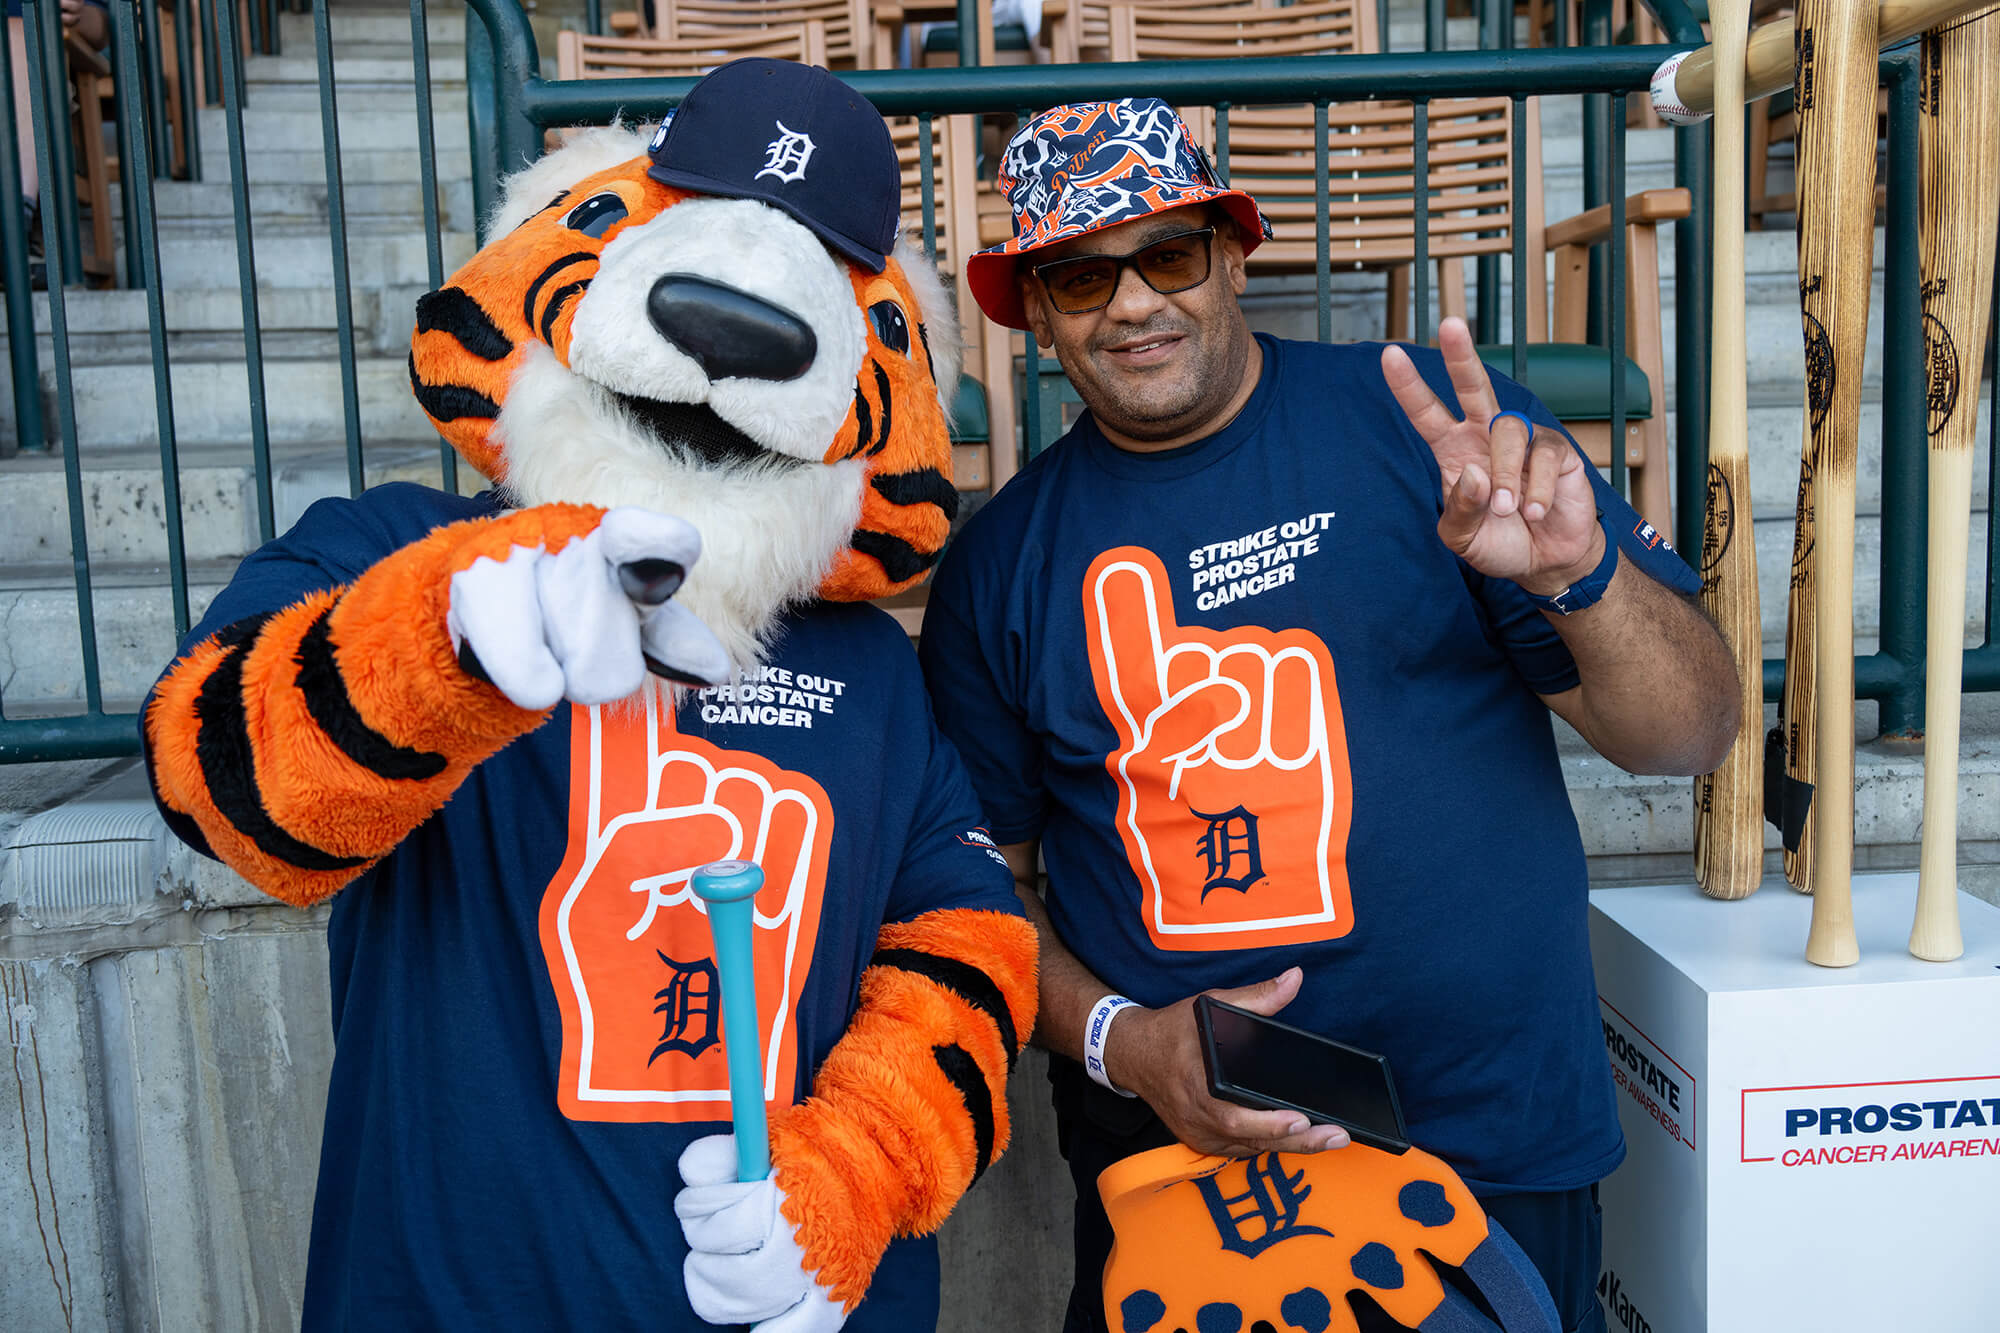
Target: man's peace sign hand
[{"x": 1516, "y": 506}]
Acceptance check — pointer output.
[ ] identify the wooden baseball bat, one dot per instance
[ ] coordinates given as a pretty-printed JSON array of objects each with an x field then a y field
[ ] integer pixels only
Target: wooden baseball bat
[
  {"x": 1835, "y": 91},
  {"x": 1959, "y": 98},
  {"x": 1729, "y": 803},
  {"x": 1684, "y": 90}
]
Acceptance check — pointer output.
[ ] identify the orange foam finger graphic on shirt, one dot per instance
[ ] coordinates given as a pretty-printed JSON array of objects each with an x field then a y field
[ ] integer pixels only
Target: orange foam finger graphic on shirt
[
  {"x": 1234, "y": 796},
  {"x": 626, "y": 941}
]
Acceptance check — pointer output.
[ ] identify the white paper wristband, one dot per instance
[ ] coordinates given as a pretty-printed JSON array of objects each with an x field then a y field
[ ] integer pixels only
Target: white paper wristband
[{"x": 1094, "y": 1033}]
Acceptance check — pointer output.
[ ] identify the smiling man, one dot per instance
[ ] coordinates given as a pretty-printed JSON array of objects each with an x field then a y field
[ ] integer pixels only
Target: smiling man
[{"x": 1260, "y": 660}]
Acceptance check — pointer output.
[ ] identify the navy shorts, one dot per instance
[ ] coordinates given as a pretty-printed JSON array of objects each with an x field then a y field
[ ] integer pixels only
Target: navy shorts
[{"x": 1561, "y": 1232}]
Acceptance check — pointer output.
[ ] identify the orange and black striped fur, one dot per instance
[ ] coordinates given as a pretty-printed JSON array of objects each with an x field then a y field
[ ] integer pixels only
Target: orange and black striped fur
[
  {"x": 539, "y": 363},
  {"x": 911, "y": 1107},
  {"x": 836, "y": 483},
  {"x": 303, "y": 745}
]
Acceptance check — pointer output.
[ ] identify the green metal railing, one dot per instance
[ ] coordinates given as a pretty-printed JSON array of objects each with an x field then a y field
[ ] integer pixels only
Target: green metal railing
[
  {"x": 510, "y": 105},
  {"x": 143, "y": 145},
  {"x": 140, "y": 99}
]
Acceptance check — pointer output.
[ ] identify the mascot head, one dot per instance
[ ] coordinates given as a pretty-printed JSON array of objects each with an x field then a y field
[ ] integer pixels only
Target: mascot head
[{"x": 720, "y": 324}]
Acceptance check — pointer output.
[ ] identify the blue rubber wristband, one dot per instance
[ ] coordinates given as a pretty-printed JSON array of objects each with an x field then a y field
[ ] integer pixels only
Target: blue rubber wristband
[
  {"x": 1522, "y": 417},
  {"x": 1585, "y": 591}
]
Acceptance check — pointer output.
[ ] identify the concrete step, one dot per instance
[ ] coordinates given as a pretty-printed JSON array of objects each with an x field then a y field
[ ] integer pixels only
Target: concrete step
[
  {"x": 1406, "y": 31},
  {"x": 133, "y": 350},
  {"x": 372, "y": 25},
  {"x": 124, "y": 501},
  {"x": 1640, "y": 830},
  {"x": 448, "y": 99},
  {"x": 40, "y": 657},
  {"x": 41, "y": 662},
  {"x": 217, "y": 309},
  {"x": 206, "y": 324},
  {"x": 364, "y": 127},
  {"x": 115, "y": 403},
  {"x": 1774, "y": 565},
  {"x": 210, "y": 204},
  {"x": 301, "y": 257},
  {"x": 1776, "y": 433},
  {"x": 374, "y": 64},
  {"x": 1777, "y": 430},
  {"x": 304, "y": 163}
]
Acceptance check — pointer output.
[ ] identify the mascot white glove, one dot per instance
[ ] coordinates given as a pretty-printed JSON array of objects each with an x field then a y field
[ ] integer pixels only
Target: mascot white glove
[
  {"x": 585, "y": 623},
  {"x": 744, "y": 1263}
]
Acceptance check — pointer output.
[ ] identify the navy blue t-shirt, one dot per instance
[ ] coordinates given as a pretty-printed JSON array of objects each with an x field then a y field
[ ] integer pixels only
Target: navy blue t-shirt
[
  {"x": 523, "y": 1008},
  {"x": 1259, "y": 715}
]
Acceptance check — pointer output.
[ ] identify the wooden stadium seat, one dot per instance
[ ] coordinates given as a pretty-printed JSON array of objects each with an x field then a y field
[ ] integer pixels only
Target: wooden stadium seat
[
  {"x": 581, "y": 56},
  {"x": 1151, "y": 31},
  {"x": 90, "y": 76},
  {"x": 1006, "y": 44},
  {"x": 1081, "y": 29},
  {"x": 850, "y": 32}
]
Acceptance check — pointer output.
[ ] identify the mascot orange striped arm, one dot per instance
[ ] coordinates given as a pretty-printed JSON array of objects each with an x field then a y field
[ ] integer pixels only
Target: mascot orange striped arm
[{"x": 500, "y": 732}]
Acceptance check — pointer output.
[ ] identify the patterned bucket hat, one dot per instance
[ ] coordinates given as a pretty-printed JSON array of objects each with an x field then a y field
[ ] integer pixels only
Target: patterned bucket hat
[{"x": 1090, "y": 165}]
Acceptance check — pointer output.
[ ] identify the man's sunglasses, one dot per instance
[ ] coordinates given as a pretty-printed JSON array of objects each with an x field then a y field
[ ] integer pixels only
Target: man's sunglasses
[{"x": 1171, "y": 264}]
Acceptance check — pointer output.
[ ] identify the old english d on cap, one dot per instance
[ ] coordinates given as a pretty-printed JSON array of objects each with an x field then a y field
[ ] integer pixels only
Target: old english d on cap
[{"x": 796, "y": 138}]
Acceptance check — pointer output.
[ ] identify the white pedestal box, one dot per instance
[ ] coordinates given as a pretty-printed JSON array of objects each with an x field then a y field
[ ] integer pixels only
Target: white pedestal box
[{"x": 1808, "y": 1148}]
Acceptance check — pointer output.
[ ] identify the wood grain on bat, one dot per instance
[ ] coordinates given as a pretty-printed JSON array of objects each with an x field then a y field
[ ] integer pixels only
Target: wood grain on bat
[
  {"x": 1959, "y": 101},
  {"x": 1770, "y": 57},
  {"x": 1835, "y": 99},
  {"x": 1729, "y": 803}
]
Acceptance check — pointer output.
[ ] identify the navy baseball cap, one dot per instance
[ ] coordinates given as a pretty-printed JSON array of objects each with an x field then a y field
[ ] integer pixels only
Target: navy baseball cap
[{"x": 796, "y": 138}]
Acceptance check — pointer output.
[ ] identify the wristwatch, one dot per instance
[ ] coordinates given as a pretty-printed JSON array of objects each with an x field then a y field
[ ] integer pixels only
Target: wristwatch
[{"x": 1587, "y": 590}]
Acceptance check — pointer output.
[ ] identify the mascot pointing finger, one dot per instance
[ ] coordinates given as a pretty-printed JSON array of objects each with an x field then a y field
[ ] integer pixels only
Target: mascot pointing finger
[{"x": 501, "y": 732}]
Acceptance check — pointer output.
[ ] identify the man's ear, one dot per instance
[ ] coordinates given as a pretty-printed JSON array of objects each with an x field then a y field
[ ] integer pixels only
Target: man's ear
[
  {"x": 1032, "y": 307},
  {"x": 1231, "y": 244}
]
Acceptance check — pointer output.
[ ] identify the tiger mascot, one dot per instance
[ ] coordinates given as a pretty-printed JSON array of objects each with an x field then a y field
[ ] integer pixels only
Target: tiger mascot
[{"x": 703, "y": 377}]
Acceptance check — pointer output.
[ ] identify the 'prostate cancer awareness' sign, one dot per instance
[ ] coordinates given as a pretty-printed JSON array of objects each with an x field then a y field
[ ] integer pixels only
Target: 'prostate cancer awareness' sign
[
  {"x": 627, "y": 942},
  {"x": 1234, "y": 796}
]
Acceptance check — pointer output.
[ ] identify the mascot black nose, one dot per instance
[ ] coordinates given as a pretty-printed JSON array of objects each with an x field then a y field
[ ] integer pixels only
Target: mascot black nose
[{"x": 730, "y": 333}]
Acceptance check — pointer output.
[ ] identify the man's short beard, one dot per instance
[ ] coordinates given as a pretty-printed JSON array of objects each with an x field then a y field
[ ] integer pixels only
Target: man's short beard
[{"x": 1141, "y": 413}]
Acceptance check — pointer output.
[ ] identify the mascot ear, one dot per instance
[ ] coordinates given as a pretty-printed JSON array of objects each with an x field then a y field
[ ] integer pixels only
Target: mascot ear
[
  {"x": 584, "y": 153},
  {"x": 944, "y": 339},
  {"x": 471, "y": 335}
]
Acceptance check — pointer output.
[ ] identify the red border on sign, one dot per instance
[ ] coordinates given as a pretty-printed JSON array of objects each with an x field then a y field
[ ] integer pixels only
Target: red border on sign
[
  {"x": 1743, "y": 1099},
  {"x": 1694, "y": 1087}
]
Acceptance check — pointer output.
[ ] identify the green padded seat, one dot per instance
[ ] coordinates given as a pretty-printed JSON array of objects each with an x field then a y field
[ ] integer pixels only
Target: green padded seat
[
  {"x": 969, "y": 423},
  {"x": 943, "y": 39},
  {"x": 1573, "y": 380}
]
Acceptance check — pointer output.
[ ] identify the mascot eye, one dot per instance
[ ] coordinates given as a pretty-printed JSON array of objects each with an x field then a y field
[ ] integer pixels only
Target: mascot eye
[
  {"x": 595, "y": 215},
  {"x": 892, "y": 326}
]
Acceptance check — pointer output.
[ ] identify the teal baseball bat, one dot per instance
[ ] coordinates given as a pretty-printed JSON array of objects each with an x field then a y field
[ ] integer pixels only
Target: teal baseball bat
[{"x": 730, "y": 889}]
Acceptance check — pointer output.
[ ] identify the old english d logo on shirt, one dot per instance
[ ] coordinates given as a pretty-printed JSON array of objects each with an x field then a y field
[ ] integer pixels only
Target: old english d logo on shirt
[
  {"x": 1234, "y": 796},
  {"x": 627, "y": 942}
]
